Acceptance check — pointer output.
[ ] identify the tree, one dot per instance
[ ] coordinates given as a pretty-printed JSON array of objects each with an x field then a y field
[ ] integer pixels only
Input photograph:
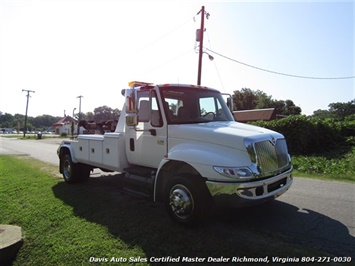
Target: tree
[
  {"x": 116, "y": 113},
  {"x": 104, "y": 113},
  {"x": 290, "y": 108},
  {"x": 264, "y": 100},
  {"x": 322, "y": 114},
  {"x": 81, "y": 115},
  {"x": 6, "y": 120},
  {"x": 43, "y": 121},
  {"x": 341, "y": 110},
  {"x": 90, "y": 116},
  {"x": 72, "y": 128},
  {"x": 247, "y": 99},
  {"x": 338, "y": 111},
  {"x": 279, "y": 105}
]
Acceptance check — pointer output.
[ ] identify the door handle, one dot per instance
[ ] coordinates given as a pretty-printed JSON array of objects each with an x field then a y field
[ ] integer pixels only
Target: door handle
[{"x": 153, "y": 132}]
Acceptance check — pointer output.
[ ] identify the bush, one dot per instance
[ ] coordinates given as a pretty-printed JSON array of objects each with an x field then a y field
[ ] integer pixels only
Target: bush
[
  {"x": 347, "y": 127},
  {"x": 307, "y": 135},
  {"x": 336, "y": 164},
  {"x": 63, "y": 134}
]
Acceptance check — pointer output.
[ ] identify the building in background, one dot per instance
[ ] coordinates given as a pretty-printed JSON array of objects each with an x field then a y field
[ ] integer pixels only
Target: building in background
[
  {"x": 64, "y": 125},
  {"x": 266, "y": 114}
]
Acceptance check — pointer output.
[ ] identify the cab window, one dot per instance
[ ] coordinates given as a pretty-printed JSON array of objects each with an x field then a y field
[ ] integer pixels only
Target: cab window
[{"x": 148, "y": 108}]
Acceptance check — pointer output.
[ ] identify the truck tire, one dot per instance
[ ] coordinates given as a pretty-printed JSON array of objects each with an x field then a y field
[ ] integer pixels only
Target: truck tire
[
  {"x": 74, "y": 172},
  {"x": 186, "y": 200}
]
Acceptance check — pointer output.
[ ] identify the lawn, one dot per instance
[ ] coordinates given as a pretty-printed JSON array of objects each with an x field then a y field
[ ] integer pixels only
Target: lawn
[
  {"x": 87, "y": 223},
  {"x": 54, "y": 234}
]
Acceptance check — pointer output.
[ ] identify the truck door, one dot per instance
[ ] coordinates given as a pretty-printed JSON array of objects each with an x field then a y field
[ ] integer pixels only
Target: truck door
[{"x": 147, "y": 142}]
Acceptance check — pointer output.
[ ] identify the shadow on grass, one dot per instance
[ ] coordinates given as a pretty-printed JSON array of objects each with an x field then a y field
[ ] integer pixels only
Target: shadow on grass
[{"x": 275, "y": 229}]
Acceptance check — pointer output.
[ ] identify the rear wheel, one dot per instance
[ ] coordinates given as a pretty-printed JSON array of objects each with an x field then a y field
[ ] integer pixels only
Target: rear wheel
[
  {"x": 186, "y": 199},
  {"x": 74, "y": 172}
]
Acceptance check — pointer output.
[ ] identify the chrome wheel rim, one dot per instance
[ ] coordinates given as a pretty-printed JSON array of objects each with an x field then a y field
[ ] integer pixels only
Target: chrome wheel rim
[
  {"x": 67, "y": 169},
  {"x": 181, "y": 202}
]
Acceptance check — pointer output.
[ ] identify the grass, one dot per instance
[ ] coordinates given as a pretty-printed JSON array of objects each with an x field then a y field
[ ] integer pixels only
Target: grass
[
  {"x": 337, "y": 165},
  {"x": 69, "y": 224},
  {"x": 54, "y": 234}
]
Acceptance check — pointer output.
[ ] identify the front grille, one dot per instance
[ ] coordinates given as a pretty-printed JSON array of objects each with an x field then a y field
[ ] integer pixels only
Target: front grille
[{"x": 271, "y": 157}]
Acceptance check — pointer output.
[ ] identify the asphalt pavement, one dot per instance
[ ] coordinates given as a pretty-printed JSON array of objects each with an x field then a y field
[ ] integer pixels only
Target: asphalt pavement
[
  {"x": 316, "y": 213},
  {"x": 43, "y": 149}
]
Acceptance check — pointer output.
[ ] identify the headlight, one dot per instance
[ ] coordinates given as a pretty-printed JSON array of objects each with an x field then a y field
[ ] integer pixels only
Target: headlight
[{"x": 234, "y": 172}]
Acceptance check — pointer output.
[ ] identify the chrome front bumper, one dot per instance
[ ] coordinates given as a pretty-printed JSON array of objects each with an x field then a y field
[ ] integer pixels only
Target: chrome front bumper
[{"x": 249, "y": 193}]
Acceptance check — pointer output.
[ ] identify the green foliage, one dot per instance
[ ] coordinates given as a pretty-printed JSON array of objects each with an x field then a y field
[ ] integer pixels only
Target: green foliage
[
  {"x": 322, "y": 114},
  {"x": 17, "y": 121},
  {"x": 54, "y": 234},
  {"x": 321, "y": 147},
  {"x": 72, "y": 128},
  {"x": 6, "y": 120},
  {"x": 105, "y": 113},
  {"x": 89, "y": 116},
  {"x": 247, "y": 99},
  {"x": 335, "y": 165},
  {"x": 342, "y": 110},
  {"x": 309, "y": 135},
  {"x": 338, "y": 111}
]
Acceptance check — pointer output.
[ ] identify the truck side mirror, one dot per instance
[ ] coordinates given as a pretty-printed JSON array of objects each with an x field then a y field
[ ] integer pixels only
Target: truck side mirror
[
  {"x": 230, "y": 104},
  {"x": 229, "y": 101},
  {"x": 131, "y": 107}
]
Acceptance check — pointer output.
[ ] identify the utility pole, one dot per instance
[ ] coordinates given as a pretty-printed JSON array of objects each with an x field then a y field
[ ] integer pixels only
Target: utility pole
[
  {"x": 28, "y": 96},
  {"x": 199, "y": 38},
  {"x": 79, "y": 111}
]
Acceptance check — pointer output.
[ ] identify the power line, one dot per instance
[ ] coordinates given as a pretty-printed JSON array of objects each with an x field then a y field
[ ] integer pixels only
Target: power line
[
  {"x": 162, "y": 37},
  {"x": 275, "y": 72},
  {"x": 214, "y": 62},
  {"x": 167, "y": 61}
]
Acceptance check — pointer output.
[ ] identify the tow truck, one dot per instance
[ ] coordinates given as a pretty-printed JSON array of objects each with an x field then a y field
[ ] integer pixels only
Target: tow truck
[{"x": 180, "y": 145}]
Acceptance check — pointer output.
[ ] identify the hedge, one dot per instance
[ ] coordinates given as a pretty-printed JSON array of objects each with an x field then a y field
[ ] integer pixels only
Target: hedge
[{"x": 309, "y": 135}]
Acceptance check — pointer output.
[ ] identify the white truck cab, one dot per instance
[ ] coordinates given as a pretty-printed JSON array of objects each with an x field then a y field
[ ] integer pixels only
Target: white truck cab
[{"x": 180, "y": 145}]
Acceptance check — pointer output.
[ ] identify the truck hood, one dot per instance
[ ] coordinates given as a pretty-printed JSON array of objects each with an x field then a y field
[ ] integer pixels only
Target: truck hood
[{"x": 225, "y": 133}]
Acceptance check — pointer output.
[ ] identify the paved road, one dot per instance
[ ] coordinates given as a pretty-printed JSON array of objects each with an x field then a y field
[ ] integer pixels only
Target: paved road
[
  {"x": 314, "y": 213},
  {"x": 44, "y": 149},
  {"x": 319, "y": 214}
]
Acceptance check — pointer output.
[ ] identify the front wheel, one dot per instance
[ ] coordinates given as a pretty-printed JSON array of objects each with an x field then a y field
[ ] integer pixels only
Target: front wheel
[
  {"x": 186, "y": 200},
  {"x": 74, "y": 172}
]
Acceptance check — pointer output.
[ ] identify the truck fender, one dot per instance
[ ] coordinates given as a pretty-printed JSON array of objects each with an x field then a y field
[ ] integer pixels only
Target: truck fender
[
  {"x": 197, "y": 159},
  {"x": 67, "y": 149},
  {"x": 63, "y": 150},
  {"x": 166, "y": 167}
]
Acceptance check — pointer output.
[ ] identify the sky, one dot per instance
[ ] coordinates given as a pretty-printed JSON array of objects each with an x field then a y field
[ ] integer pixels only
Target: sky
[{"x": 93, "y": 48}]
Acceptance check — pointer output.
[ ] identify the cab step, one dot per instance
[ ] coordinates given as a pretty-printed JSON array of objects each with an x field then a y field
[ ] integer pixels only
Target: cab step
[{"x": 139, "y": 179}]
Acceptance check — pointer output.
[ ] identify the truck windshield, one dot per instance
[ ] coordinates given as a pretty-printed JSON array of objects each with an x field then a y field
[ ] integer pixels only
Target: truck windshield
[{"x": 194, "y": 105}]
